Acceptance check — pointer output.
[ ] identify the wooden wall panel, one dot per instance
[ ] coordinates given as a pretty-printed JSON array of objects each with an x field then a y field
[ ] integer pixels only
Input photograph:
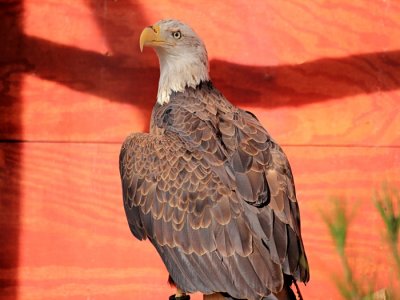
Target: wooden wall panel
[{"x": 322, "y": 76}]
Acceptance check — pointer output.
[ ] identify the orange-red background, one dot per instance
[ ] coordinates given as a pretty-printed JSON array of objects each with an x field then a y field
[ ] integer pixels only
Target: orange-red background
[{"x": 322, "y": 76}]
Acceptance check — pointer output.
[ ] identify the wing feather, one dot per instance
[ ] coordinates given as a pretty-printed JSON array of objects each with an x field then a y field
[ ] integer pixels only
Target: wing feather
[{"x": 251, "y": 152}]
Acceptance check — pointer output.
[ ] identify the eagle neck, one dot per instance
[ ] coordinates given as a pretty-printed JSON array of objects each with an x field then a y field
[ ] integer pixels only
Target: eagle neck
[{"x": 178, "y": 73}]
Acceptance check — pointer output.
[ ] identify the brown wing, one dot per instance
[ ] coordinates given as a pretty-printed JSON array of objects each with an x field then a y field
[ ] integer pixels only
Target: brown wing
[
  {"x": 164, "y": 183},
  {"x": 198, "y": 226},
  {"x": 216, "y": 198},
  {"x": 240, "y": 151},
  {"x": 271, "y": 164}
]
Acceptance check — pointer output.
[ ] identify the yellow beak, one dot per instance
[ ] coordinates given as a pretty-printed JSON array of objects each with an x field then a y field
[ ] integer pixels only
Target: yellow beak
[{"x": 150, "y": 36}]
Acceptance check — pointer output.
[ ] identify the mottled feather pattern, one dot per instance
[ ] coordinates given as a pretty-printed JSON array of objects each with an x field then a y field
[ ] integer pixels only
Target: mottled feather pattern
[{"x": 212, "y": 191}]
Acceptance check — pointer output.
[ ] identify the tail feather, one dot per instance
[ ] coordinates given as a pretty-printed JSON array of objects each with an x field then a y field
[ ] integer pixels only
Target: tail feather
[{"x": 286, "y": 293}]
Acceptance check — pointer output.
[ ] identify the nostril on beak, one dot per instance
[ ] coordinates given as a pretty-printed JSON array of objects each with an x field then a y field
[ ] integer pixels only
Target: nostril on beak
[{"x": 154, "y": 29}]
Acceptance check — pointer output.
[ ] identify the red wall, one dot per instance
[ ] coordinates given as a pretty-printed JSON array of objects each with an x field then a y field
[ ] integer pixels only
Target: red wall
[{"x": 323, "y": 77}]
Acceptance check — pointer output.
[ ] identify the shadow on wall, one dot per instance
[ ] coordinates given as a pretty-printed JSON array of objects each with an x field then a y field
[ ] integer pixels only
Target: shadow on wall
[
  {"x": 319, "y": 80},
  {"x": 12, "y": 65},
  {"x": 270, "y": 87}
]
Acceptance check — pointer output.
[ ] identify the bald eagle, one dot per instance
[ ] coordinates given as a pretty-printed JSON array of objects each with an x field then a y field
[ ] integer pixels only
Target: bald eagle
[{"x": 208, "y": 186}]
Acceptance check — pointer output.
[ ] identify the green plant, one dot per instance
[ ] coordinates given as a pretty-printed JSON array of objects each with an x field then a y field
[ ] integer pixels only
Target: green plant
[
  {"x": 387, "y": 203},
  {"x": 388, "y": 206},
  {"x": 338, "y": 225}
]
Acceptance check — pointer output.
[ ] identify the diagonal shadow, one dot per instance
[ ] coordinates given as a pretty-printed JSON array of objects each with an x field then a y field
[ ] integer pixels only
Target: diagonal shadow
[
  {"x": 270, "y": 87},
  {"x": 315, "y": 81},
  {"x": 115, "y": 80}
]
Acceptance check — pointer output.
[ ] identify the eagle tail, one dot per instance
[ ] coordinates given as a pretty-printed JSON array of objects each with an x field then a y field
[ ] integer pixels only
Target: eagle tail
[{"x": 287, "y": 293}]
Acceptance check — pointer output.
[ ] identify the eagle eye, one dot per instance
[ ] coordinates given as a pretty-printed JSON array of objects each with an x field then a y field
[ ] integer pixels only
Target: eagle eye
[{"x": 177, "y": 35}]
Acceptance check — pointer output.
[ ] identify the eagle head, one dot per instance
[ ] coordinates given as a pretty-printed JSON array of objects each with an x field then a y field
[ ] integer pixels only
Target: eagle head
[{"x": 181, "y": 53}]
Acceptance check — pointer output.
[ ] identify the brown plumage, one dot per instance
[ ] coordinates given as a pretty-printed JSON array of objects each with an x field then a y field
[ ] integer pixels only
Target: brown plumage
[{"x": 215, "y": 196}]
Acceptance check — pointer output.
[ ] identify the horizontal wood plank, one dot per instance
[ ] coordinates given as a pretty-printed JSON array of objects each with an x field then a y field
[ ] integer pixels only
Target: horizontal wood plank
[{"x": 74, "y": 241}]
